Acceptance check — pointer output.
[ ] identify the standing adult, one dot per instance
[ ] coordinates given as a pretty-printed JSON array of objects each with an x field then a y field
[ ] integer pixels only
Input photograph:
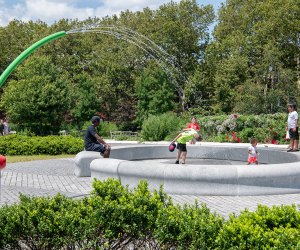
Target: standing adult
[
  {"x": 194, "y": 125},
  {"x": 6, "y": 128},
  {"x": 292, "y": 127},
  {"x": 93, "y": 142},
  {"x": 1, "y": 128}
]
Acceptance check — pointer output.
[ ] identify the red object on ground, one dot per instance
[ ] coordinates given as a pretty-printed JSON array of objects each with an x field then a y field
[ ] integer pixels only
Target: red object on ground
[{"x": 2, "y": 162}]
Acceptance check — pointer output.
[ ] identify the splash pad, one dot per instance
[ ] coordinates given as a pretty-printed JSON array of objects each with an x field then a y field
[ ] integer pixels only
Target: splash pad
[
  {"x": 279, "y": 172},
  {"x": 280, "y": 175}
]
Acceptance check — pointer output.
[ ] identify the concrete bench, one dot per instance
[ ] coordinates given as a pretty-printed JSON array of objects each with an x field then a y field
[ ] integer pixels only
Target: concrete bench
[{"x": 83, "y": 161}]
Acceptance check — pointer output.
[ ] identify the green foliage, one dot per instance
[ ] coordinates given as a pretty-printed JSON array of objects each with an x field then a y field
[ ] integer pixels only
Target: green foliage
[
  {"x": 86, "y": 98},
  {"x": 155, "y": 94},
  {"x": 263, "y": 127},
  {"x": 124, "y": 213},
  {"x": 157, "y": 128},
  {"x": 35, "y": 145},
  {"x": 250, "y": 67},
  {"x": 267, "y": 228},
  {"x": 45, "y": 223},
  {"x": 103, "y": 129},
  {"x": 117, "y": 217},
  {"x": 188, "y": 227},
  {"x": 219, "y": 128},
  {"x": 74, "y": 77},
  {"x": 39, "y": 98},
  {"x": 248, "y": 60}
]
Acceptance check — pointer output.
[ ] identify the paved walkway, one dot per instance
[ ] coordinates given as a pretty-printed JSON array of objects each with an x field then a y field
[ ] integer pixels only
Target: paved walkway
[{"x": 52, "y": 176}]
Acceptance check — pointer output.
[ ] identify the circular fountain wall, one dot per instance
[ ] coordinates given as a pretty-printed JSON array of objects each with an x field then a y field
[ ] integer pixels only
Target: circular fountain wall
[{"x": 278, "y": 173}]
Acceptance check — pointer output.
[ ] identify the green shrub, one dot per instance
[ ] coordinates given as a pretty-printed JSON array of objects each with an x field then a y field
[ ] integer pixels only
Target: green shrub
[
  {"x": 45, "y": 223},
  {"x": 264, "y": 127},
  {"x": 115, "y": 217},
  {"x": 104, "y": 128},
  {"x": 33, "y": 145},
  {"x": 266, "y": 228},
  {"x": 190, "y": 227},
  {"x": 246, "y": 134},
  {"x": 161, "y": 127},
  {"x": 126, "y": 138}
]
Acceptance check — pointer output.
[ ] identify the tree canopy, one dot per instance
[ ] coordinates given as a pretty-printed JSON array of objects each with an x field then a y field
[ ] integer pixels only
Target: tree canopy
[{"x": 249, "y": 64}]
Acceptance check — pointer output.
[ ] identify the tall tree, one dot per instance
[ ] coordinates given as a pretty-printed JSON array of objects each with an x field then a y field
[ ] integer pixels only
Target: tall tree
[
  {"x": 39, "y": 97},
  {"x": 154, "y": 92},
  {"x": 257, "y": 43}
]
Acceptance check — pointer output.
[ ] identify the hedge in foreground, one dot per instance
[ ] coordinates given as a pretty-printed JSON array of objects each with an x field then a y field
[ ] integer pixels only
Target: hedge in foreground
[
  {"x": 114, "y": 217},
  {"x": 35, "y": 145}
]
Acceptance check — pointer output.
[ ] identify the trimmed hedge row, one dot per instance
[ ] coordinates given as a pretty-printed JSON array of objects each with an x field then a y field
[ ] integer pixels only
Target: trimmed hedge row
[
  {"x": 114, "y": 217},
  {"x": 35, "y": 145}
]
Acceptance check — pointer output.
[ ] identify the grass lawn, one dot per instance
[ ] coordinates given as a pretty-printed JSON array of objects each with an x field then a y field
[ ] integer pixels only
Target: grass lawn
[{"x": 21, "y": 158}]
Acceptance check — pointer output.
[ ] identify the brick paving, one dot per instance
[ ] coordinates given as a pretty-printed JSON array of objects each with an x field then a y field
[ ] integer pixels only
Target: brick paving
[
  {"x": 37, "y": 178},
  {"x": 49, "y": 177}
]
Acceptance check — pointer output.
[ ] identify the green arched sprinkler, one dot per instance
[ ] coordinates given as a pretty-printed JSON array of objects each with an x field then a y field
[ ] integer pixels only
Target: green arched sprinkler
[
  {"x": 142, "y": 42},
  {"x": 27, "y": 53}
]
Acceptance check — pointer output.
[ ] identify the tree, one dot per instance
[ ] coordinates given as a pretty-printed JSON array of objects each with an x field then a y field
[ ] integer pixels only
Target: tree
[
  {"x": 257, "y": 43},
  {"x": 39, "y": 97},
  {"x": 154, "y": 92}
]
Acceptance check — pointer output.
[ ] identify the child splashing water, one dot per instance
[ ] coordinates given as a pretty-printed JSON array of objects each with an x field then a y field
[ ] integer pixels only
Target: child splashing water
[{"x": 252, "y": 152}]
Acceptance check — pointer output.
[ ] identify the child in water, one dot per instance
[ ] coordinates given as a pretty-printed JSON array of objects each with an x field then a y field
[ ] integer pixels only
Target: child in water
[{"x": 252, "y": 152}]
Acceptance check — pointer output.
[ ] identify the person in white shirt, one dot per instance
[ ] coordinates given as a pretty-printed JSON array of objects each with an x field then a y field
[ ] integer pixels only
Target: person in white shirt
[
  {"x": 252, "y": 152},
  {"x": 292, "y": 128}
]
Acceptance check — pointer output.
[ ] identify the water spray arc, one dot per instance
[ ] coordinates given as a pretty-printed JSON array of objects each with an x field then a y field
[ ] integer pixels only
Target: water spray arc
[
  {"x": 151, "y": 49},
  {"x": 167, "y": 62}
]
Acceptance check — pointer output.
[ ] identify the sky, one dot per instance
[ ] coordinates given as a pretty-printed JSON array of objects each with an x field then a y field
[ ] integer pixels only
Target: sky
[{"x": 50, "y": 11}]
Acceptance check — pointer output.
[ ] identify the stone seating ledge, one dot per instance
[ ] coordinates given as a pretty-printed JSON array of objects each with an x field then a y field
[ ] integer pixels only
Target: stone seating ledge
[{"x": 280, "y": 175}]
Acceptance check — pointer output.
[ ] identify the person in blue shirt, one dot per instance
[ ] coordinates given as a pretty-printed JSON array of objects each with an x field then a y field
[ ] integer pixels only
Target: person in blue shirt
[{"x": 93, "y": 142}]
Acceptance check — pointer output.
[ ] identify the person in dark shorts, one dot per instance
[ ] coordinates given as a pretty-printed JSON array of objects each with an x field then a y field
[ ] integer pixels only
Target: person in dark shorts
[
  {"x": 93, "y": 142},
  {"x": 292, "y": 127},
  {"x": 182, "y": 139}
]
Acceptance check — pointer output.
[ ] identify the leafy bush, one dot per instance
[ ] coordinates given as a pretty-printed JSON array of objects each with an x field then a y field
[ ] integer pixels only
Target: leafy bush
[
  {"x": 190, "y": 227},
  {"x": 264, "y": 127},
  {"x": 219, "y": 128},
  {"x": 34, "y": 145},
  {"x": 44, "y": 223},
  {"x": 161, "y": 127},
  {"x": 104, "y": 128},
  {"x": 125, "y": 214},
  {"x": 114, "y": 217},
  {"x": 267, "y": 228}
]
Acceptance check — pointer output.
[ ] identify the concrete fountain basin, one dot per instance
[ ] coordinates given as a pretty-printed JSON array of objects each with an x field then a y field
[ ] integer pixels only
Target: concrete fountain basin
[{"x": 278, "y": 173}]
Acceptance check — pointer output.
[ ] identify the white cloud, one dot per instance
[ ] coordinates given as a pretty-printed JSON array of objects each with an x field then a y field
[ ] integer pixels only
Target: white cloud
[
  {"x": 9, "y": 14},
  {"x": 53, "y": 10},
  {"x": 132, "y": 4}
]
